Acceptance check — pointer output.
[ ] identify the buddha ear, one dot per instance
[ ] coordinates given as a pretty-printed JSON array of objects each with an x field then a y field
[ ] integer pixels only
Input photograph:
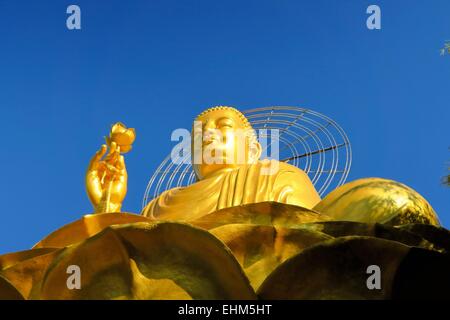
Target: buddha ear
[{"x": 254, "y": 151}]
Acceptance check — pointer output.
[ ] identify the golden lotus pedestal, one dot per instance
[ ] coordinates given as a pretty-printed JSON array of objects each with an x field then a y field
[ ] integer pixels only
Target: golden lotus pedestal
[{"x": 264, "y": 250}]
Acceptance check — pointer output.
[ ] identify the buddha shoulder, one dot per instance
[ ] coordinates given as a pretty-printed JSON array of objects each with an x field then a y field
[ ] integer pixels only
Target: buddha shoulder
[{"x": 294, "y": 184}]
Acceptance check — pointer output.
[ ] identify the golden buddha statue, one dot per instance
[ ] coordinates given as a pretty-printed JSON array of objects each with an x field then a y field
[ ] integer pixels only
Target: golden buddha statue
[
  {"x": 226, "y": 161},
  {"x": 247, "y": 228},
  {"x": 228, "y": 182}
]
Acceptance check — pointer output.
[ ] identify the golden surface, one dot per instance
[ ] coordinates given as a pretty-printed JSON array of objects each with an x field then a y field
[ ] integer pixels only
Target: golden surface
[
  {"x": 232, "y": 182},
  {"x": 241, "y": 186},
  {"x": 377, "y": 200},
  {"x": 85, "y": 228},
  {"x": 243, "y": 231},
  {"x": 106, "y": 179},
  {"x": 136, "y": 261},
  {"x": 299, "y": 278},
  {"x": 26, "y": 275},
  {"x": 240, "y": 251},
  {"x": 10, "y": 259},
  {"x": 8, "y": 291},
  {"x": 263, "y": 235},
  {"x": 262, "y": 213}
]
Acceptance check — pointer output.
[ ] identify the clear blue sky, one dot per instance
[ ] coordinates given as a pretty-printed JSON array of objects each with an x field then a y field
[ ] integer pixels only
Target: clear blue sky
[{"x": 155, "y": 64}]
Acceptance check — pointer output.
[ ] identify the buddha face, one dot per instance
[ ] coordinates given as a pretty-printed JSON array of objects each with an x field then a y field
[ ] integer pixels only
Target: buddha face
[{"x": 222, "y": 140}]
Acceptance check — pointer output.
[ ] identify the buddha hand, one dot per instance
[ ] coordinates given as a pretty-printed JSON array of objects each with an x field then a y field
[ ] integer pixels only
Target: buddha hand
[{"x": 106, "y": 180}]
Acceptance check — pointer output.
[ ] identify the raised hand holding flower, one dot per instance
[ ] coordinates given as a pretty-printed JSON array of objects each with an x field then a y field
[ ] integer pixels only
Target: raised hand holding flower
[{"x": 106, "y": 177}]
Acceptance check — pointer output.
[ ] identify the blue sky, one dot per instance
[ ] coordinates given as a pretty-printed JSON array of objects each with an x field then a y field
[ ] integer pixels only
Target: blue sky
[{"x": 156, "y": 64}]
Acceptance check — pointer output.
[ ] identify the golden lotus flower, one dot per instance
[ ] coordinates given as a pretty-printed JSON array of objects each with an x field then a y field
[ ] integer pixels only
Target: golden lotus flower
[
  {"x": 122, "y": 136},
  {"x": 265, "y": 250}
]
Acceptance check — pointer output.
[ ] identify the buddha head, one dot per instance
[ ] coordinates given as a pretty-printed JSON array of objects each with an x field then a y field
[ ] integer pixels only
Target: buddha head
[{"x": 223, "y": 139}]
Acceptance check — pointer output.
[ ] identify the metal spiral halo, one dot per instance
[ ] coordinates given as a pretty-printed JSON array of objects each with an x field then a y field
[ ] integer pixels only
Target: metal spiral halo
[{"x": 307, "y": 139}]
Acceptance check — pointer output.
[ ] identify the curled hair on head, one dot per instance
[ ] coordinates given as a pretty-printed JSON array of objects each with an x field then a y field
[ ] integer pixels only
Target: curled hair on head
[
  {"x": 250, "y": 132},
  {"x": 241, "y": 116}
]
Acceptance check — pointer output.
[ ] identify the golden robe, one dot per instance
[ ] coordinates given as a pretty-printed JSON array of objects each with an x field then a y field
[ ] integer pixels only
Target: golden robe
[{"x": 244, "y": 185}]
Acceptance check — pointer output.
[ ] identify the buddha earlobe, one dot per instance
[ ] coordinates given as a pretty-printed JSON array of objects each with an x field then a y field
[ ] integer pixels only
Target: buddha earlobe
[{"x": 255, "y": 151}]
